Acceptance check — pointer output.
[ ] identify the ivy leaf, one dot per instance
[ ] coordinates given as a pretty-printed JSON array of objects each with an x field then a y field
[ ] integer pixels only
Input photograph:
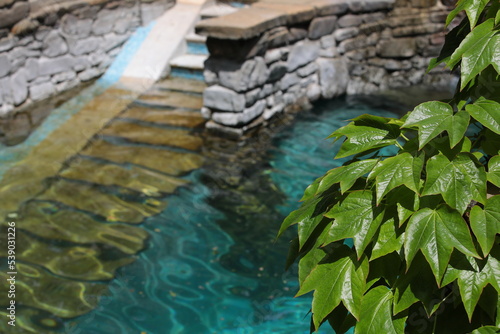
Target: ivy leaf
[
  {"x": 355, "y": 217},
  {"x": 476, "y": 51},
  {"x": 485, "y": 223},
  {"x": 486, "y": 330},
  {"x": 472, "y": 276},
  {"x": 434, "y": 117},
  {"x": 339, "y": 277},
  {"x": 366, "y": 133},
  {"x": 458, "y": 180},
  {"x": 346, "y": 175},
  {"x": 417, "y": 285},
  {"x": 473, "y": 8},
  {"x": 486, "y": 112},
  {"x": 436, "y": 233},
  {"x": 494, "y": 170},
  {"x": 402, "y": 169},
  {"x": 389, "y": 240},
  {"x": 376, "y": 314}
]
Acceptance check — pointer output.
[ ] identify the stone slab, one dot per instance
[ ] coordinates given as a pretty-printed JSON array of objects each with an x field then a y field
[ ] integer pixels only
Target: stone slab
[
  {"x": 171, "y": 100},
  {"x": 181, "y": 84},
  {"x": 296, "y": 13},
  {"x": 189, "y": 119}
]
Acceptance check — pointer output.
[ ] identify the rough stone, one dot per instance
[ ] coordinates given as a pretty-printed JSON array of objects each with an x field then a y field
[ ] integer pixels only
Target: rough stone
[
  {"x": 295, "y": 34},
  {"x": 7, "y": 43},
  {"x": 112, "y": 41},
  {"x": 313, "y": 92},
  {"x": 81, "y": 63},
  {"x": 397, "y": 48},
  {"x": 423, "y": 3},
  {"x": 307, "y": 70},
  {"x": 295, "y": 12},
  {"x": 41, "y": 91},
  {"x": 54, "y": 45},
  {"x": 345, "y": 33},
  {"x": 270, "y": 101},
  {"x": 206, "y": 113},
  {"x": 277, "y": 71},
  {"x": 241, "y": 77},
  {"x": 278, "y": 36},
  {"x": 19, "y": 86},
  {"x": 50, "y": 66},
  {"x": 66, "y": 85},
  {"x": 272, "y": 56},
  {"x": 328, "y": 7},
  {"x": 4, "y": 65},
  {"x": 32, "y": 69},
  {"x": 239, "y": 119},
  {"x": 289, "y": 80},
  {"x": 301, "y": 54},
  {"x": 333, "y": 77},
  {"x": 210, "y": 77},
  {"x": 5, "y": 3},
  {"x": 89, "y": 74},
  {"x": 104, "y": 22},
  {"x": 14, "y": 14},
  {"x": 39, "y": 80},
  {"x": 328, "y": 41},
  {"x": 64, "y": 76},
  {"x": 418, "y": 30},
  {"x": 73, "y": 27},
  {"x": 321, "y": 26},
  {"x": 252, "y": 96},
  {"x": 269, "y": 113},
  {"x": 350, "y": 20},
  {"x": 267, "y": 90},
  {"x": 78, "y": 47},
  {"x": 222, "y": 98}
]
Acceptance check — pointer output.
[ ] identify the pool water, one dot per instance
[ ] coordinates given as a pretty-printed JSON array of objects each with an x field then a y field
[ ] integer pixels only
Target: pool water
[{"x": 212, "y": 264}]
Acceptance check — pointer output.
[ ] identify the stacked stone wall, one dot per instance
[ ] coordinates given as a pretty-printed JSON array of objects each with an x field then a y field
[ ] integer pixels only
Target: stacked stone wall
[
  {"x": 50, "y": 46},
  {"x": 321, "y": 50}
]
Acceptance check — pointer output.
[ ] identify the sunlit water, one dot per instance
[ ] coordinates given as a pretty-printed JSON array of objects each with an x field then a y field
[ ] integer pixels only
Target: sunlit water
[{"x": 212, "y": 265}]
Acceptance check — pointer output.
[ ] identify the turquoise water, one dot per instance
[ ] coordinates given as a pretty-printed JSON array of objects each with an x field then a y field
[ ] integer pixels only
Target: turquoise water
[{"x": 211, "y": 265}]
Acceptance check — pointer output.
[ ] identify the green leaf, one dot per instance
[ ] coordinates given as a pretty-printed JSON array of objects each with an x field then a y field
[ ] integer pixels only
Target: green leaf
[
  {"x": 473, "y": 8},
  {"x": 436, "y": 233},
  {"x": 407, "y": 202},
  {"x": 451, "y": 42},
  {"x": 376, "y": 314},
  {"x": 494, "y": 170},
  {"x": 434, "y": 117},
  {"x": 311, "y": 190},
  {"x": 472, "y": 276},
  {"x": 403, "y": 169},
  {"x": 314, "y": 255},
  {"x": 485, "y": 223},
  {"x": 366, "y": 133},
  {"x": 417, "y": 285},
  {"x": 355, "y": 217},
  {"x": 486, "y": 330},
  {"x": 388, "y": 266},
  {"x": 491, "y": 142},
  {"x": 487, "y": 112},
  {"x": 346, "y": 175},
  {"x": 476, "y": 51},
  {"x": 442, "y": 145},
  {"x": 459, "y": 181},
  {"x": 339, "y": 277},
  {"x": 341, "y": 320},
  {"x": 388, "y": 240},
  {"x": 293, "y": 253}
]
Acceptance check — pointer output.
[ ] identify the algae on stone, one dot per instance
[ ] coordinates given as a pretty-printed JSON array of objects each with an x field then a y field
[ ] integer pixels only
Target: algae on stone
[
  {"x": 171, "y": 100},
  {"x": 172, "y": 163},
  {"x": 174, "y": 117},
  {"x": 90, "y": 198}
]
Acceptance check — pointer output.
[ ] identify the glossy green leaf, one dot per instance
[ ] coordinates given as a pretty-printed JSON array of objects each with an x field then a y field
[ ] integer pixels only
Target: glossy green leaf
[
  {"x": 417, "y": 285},
  {"x": 311, "y": 190},
  {"x": 487, "y": 112},
  {"x": 491, "y": 142},
  {"x": 485, "y": 223},
  {"x": 486, "y": 330},
  {"x": 376, "y": 314},
  {"x": 494, "y": 170},
  {"x": 346, "y": 283},
  {"x": 402, "y": 169},
  {"x": 452, "y": 41},
  {"x": 355, "y": 217},
  {"x": 436, "y": 233},
  {"x": 346, "y": 175},
  {"x": 472, "y": 276},
  {"x": 366, "y": 133},
  {"x": 473, "y": 8},
  {"x": 341, "y": 320},
  {"x": 434, "y": 117},
  {"x": 406, "y": 200},
  {"x": 314, "y": 255},
  {"x": 459, "y": 181},
  {"x": 388, "y": 240}
]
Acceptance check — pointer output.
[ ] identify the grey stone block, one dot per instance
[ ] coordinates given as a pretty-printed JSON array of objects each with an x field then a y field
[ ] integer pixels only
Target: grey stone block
[
  {"x": 328, "y": 41},
  {"x": 321, "y": 26},
  {"x": 345, "y": 33},
  {"x": 14, "y": 14},
  {"x": 89, "y": 74},
  {"x": 54, "y": 45},
  {"x": 74, "y": 27},
  {"x": 240, "y": 119},
  {"x": 252, "y": 96},
  {"x": 32, "y": 69},
  {"x": 50, "y": 66},
  {"x": 105, "y": 21},
  {"x": 64, "y": 76},
  {"x": 242, "y": 77},
  {"x": 78, "y": 47},
  {"x": 289, "y": 80},
  {"x": 277, "y": 71},
  {"x": 397, "y": 48},
  {"x": 302, "y": 53},
  {"x": 350, "y": 20},
  {"x": 42, "y": 91},
  {"x": 19, "y": 87},
  {"x": 307, "y": 70},
  {"x": 4, "y": 65},
  {"x": 333, "y": 77},
  {"x": 221, "y": 98}
]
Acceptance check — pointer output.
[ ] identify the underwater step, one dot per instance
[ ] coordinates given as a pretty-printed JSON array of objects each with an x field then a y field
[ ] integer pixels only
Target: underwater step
[
  {"x": 62, "y": 297},
  {"x": 195, "y": 38},
  {"x": 170, "y": 100},
  {"x": 177, "y": 72},
  {"x": 152, "y": 135},
  {"x": 169, "y": 162},
  {"x": 90, "y": 198},
  {"x": 48, "y": 221},
  {"x": 142, "y": 180},
  {"x": 181, "y": 84},
  {"x": 94, "y": 263},
  {"x": 189, "y": 61},
  {"x": 197, "y": 48},
  {"x": 172, "y": 117}
]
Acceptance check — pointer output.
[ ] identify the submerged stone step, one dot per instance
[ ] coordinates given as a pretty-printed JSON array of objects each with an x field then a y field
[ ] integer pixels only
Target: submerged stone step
[
  {"x": 169, "y": 162},
  {"x": 176, "y": 117},
  {"x": 171, "y": 100},
  {"x": 153, "y": 135},
  {"x": 76, "y": 262},
  {"x": 88, "y": 197},
  {"x": 48, "y": 221},
  {"x": 190, "y": 61},
  {"x": 181, "y": 84},
  {"x": 142, "y": 180},
  {"x": 62, "y": 297}
]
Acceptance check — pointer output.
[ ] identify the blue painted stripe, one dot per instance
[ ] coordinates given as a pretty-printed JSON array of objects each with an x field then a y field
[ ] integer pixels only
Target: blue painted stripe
[{"x": 10, "y": 155}]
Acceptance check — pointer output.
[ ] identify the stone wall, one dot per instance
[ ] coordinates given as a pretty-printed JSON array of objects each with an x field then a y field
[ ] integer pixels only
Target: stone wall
[
  {"x": 51, "y": 46},
  {"x": 278, "y": 54}
]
